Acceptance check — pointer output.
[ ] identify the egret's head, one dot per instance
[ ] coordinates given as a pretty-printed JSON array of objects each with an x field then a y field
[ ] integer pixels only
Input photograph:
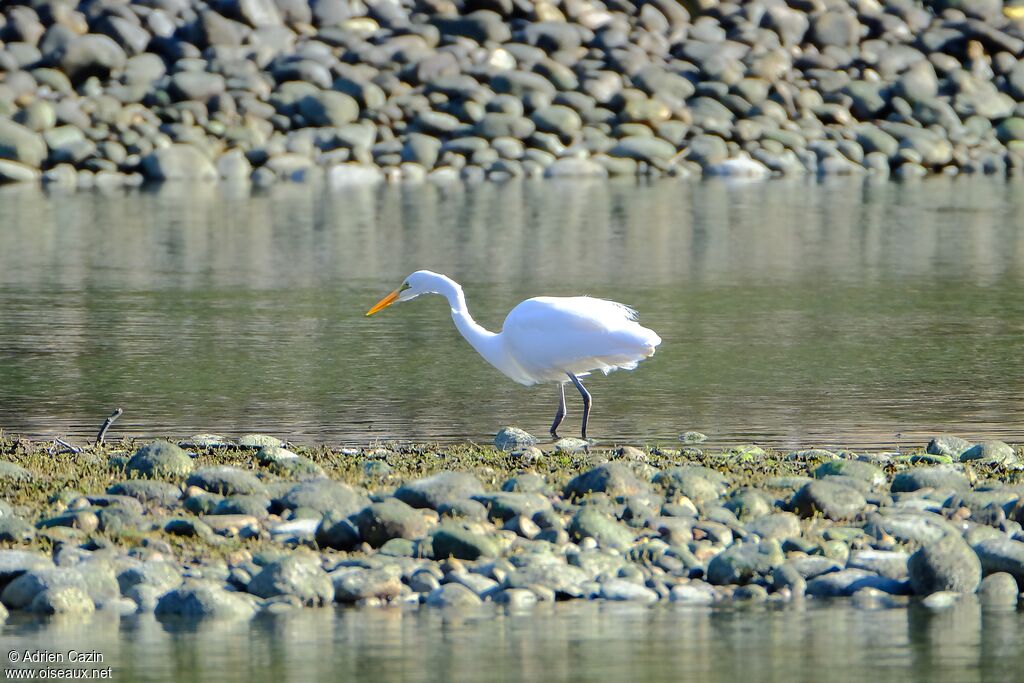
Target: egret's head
[{"x": 420, "y": 282}]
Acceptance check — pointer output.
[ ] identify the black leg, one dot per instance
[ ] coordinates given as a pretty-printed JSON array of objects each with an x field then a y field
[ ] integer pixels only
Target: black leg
[
  {"x": 561, "y": 411},
  {"x": 587, "y": 402}
]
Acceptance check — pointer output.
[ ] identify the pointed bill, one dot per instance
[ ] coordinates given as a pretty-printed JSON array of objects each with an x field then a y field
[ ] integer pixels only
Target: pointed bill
[{"x": 384, "y": 303}]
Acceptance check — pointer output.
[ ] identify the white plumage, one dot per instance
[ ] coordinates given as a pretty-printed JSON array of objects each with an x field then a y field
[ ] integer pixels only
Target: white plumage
[
  {"x": 544, "y": 339},
  {"x": 551, "y": 336}
]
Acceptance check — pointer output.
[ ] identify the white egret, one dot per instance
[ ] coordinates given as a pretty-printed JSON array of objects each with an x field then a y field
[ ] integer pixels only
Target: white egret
[{"x": 545, "y": 339}]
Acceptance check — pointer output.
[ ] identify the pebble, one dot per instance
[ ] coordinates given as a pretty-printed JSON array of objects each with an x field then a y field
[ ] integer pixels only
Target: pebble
[
  {"x": 947, "y": 565},
  {"x": 204, "y": 600},
  {"x": 232, "y": 84},
  {"x": 159, "y": 459},
  {"x": 695, "y": 529}
]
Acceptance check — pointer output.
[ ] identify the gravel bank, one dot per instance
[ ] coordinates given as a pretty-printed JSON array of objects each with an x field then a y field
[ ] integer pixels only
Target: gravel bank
[
  {"x": 212, "y": 528},
  {"x": 109, "y": 93}
]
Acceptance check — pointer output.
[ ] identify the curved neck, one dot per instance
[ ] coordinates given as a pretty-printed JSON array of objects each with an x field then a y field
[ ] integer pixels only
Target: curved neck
[{"x": 475, "y": 334}]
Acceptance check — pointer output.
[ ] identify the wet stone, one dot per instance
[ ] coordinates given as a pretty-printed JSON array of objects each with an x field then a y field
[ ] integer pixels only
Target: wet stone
[
  {"x": 160, "y": 459},
  {"x": 440, "y": 488}
]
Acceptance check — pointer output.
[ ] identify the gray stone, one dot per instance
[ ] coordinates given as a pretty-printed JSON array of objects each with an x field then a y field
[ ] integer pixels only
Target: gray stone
[
  {"x": 440, "y": 488},
  {"x": 999, "y": 589},
  {"x": 21, "y": 144},
  {"x": 328, "y": 108},
  {"x": 787, "y": 576},
  {"x": 19, "y": 593},
  {"x": 835, "y": 27},
  {"x": 591, "y": 523},
  {"x": 570, "y": 167},
  {"x": 649, "y": 149},
  {"x": 253, "y": 505},
  {"x": 190, "y": 528},
  {"x": 948, "y": 564},
  {"x": 92, "y": 55},
  {"x": 196, "y": 86},
  {"x": 947, "y": 444},
  {"x": 479, "y": 584},
  {"x": 337, "y": 530},
  {"x": 451, "y": 540},
  {"x": 568, "y": 444},
  {"x": 848, "y": 581},
  {"x": 13, "y": 172},
  {"x": 226, "y": 481},
  {"x": 453, "y": 595},
  {"x": 421, "y": 149},
  {"x": 504, "y": 506},
  {"x": 856, "y": 469},
  {"x": 991, "y": 452},
  {"x": 59, "y": 600},
  {"x": 496, "y": 125},
  {"x": 614, "y": 479},
  {"x": 355, "y": 584},
  {"x": 984, "y": 9},
  {"x": 513, "y": 439},
  {"x": 918, "y": 83},
  {"x": 558, "y": 119},
  {"x": 181, "y": 162},
  {"x": 388, "y": 519},
  {"x": 693, "y": 593},
  {"x": 696, "y": 482},
  {"x": 14, "y": 563},
  {"x": 324, "y": 495},
  {"x": 258, "y": 13},
  {"x": 552, "y": 573},
  {"x": 936, "y": 477},
  {"x": 466, "y": 508},
  {"x": 627, "y": 591},
  {"x": 259, "y": 441},
  {"x": 515, "y": 598},
  {"x": 158, "y": 574},
  {"x": 888, "y": 563},
  {"x": 748, "y": 504},
  {"x": 941, "y": 600},
  {"x": 295, "y": 575},
  {"x": 205, "y": 600},
  {"x": 811, "y": 566},
  {"x": 778, "y": 525},
  {"x": 1002, "y": 555},
  {"x": 743, "y": 563},
  {"x": 833, "y": 501},
  {"x": 155, "y": 492},
  {"x": 15, "y": 530},
  {"x": 908, "y": 526}
]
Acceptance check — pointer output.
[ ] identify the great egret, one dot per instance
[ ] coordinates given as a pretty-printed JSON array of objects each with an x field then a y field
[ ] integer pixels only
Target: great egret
[{"x": 545, "y": 339}]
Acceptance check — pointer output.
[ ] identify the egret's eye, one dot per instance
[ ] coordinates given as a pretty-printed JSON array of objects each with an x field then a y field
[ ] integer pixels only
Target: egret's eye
[{"x": 405, "y": 286}]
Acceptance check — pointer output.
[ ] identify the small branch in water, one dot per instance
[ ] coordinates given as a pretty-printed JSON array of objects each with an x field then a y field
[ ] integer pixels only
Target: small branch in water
[{"x": 106, "y": 425}]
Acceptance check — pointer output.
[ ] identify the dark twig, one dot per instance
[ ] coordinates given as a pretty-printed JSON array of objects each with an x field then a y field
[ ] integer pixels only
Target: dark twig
[{"x": 106, "y": 425}]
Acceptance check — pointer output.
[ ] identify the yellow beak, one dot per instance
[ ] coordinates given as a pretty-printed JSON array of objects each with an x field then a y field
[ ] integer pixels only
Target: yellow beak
[{"x": 383, "y": 303}]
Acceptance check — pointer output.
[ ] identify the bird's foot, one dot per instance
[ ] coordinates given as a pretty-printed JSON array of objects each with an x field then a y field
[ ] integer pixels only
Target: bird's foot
[{"x": 554, "y": 434}]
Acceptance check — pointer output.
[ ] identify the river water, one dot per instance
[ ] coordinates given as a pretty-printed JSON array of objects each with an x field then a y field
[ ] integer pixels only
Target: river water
[
  {"x": 792, "y": 312},
  {"x": 579, "y": 642}
]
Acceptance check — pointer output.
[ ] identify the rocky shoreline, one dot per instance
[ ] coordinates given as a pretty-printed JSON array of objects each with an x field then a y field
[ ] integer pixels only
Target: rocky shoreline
[
  {"x": 214, "y": 528},
  {"x": 107, "y": 94}
]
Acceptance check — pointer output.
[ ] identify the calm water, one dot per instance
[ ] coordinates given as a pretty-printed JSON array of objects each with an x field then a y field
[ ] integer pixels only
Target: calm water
[
  {"x": 565, "y": 642},
  {"x": 791, "y": 312}
]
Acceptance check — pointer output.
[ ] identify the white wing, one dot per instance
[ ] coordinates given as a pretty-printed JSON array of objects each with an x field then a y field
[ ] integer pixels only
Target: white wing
[{"x": 550, "y": 336}]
